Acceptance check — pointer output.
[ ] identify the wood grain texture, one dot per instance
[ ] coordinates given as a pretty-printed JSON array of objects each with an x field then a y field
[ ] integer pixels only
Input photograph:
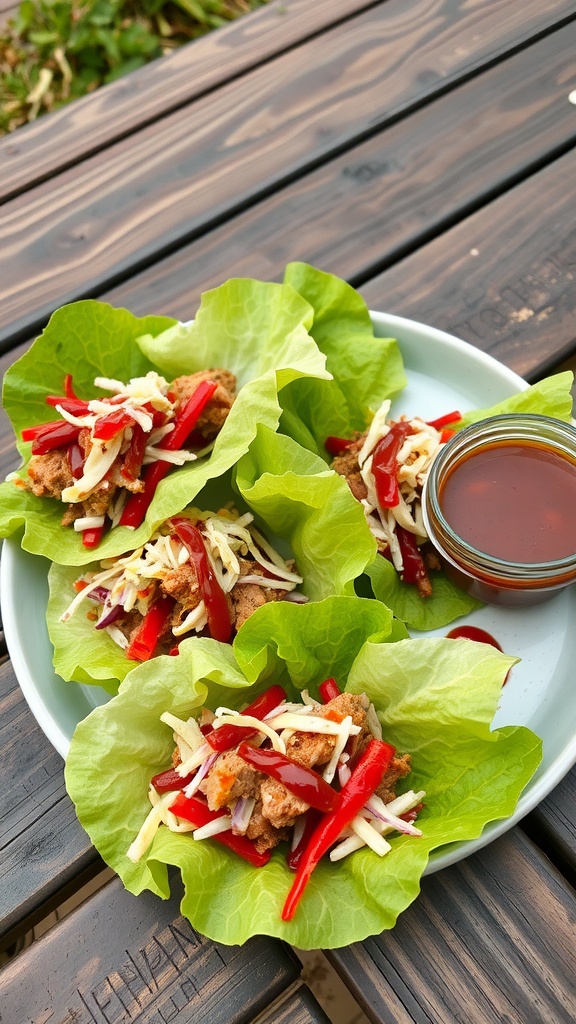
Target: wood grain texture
[
  {"x": 126, "y": 206},
  {"x": 120, "y": 958},
  {"x": 552, "y": 825},
  {"x": 301, "y": 1007},
  {"x": 503, "y": 278},
  {"x": 43, "y": 848},
  {"x": 489, "y": 940},
  {"x": 150, "y": 92},
  {"x": 389, "y": 194}
]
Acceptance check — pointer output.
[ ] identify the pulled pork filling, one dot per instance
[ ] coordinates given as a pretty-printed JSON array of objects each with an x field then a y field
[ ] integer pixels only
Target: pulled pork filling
[
  {"x": 385, "y": 468},
  {"x": 257, "y": 776},
  {"x": 97, "y": 456},
  {"x": 241, "y": 573}
]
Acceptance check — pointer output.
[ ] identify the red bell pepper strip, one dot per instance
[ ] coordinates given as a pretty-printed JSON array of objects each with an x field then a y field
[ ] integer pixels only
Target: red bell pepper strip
[
  {"x": 69, "y": 386},
  {"x": 336, "y": 445},
  {"x": 443, "y": 421},
  {"x": 40, "y": 429},
  {"x": 296, "y": 778},
  {"x": 144, "y": 641},
  {"x": 294, "y": 856},
  {"x": 75, "y": 406},
  {"x": 46, "y": 437},
  {"x": 108, "y": 426},
  {"x": 170, "y": 781},
  {"x": 137, "y": 505},
  {"x": 75, "y": 457},
  {"x": 446, "y": 434},
  {"x": 365, "y": 779},
  {"x": 413, "y": 814},
  {"x": 329, "y": 689},
  {"x": 92, "y": 537},
  {"x": 134, "y": 456},
  {"x": 228, "y": 736},
  {"x": 219, "y": 621},
  {"x": 414, "y": 569},
  {"x": 197, "y": 812},
  {"x": 384, "y": 464}
]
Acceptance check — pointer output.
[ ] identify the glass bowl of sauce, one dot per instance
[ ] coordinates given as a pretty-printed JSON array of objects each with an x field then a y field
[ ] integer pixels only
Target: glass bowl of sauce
[{"x": 499, "y": 505}]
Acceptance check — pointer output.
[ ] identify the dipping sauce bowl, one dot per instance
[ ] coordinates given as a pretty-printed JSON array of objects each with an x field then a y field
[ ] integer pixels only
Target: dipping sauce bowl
[{"x": 499, "y": 505}]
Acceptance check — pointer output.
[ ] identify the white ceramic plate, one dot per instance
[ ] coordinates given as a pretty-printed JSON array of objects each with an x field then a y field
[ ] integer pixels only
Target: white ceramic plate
[{"x": 443, "y": 374}]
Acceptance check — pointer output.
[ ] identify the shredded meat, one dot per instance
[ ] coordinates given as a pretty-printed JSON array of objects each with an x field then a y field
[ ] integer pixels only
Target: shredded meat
[
  {"x": 50, "y": 474},
  {"x": 182, "y": 585},
  {"x": 399, "y": 769},
  {"x": 214, "y": 415},
  {"x": 263, "y": 834},
  {"x": 347, "y": 466},
  {"x": 229, "y": 779},
  {"x": 245, "y": 598},
  {"x": 279, "y": 806},
  {"x": 311, "y": 748},
  {"x": 96, "y": 504}
]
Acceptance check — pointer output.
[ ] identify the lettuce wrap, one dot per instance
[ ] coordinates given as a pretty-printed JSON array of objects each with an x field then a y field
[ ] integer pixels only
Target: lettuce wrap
[
  {"x": 550, "y": 397},
  {"x": 366, "y": 370},
  {"x": 296, "y": 500},
  {"x": 435, "y": 698},
  {"x": 257, "y": 330}
]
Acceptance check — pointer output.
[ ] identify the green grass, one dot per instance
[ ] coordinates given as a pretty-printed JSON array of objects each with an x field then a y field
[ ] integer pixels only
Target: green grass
[{"x": 54, "y": 51}]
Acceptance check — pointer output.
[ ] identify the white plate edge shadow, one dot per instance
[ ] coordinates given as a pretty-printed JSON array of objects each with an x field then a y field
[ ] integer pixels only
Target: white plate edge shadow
[{"x": 536, "y": 790}]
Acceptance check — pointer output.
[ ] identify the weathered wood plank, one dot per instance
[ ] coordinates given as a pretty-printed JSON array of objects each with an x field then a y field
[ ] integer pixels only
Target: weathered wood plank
[
  {"x": 299, "y": 1008},
  {"x": 503, "y": 278},
  {"x": 119, "y": 957},
  {"x": 389, "y": 194},
  {"x": 148, "y": 93},
  {"x": 43, "y": 848},
  {"x": 552, "y": 825},
  {"x": 124, "y": 207},
  {"x": 488, "y": 940}
]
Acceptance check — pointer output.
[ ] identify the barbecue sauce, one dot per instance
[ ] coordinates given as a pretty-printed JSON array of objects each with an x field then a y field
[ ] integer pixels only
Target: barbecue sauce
[{"x": 514, "y": 501}]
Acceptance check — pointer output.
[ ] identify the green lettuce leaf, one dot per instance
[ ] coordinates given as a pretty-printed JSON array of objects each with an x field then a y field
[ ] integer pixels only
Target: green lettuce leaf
[
  {"x": 302, "y": 507},
  {"x": 446, "y": 603},
  {"x": 366, "y": 369},
  {"x": 549, "y": 397},
  {"x": 436, "y": 699},
  {"x": 256, "y": 330}
]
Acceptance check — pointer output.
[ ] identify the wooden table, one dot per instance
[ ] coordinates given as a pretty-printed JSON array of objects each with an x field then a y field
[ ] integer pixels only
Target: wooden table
[{"x": 424, "y": 152}]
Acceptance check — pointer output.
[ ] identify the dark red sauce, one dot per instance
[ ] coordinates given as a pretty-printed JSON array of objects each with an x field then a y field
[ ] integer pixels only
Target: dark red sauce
[
  {"x": 480, "y": 636},
  {"x": 514, "y": 501},
  {"x": 473, "y": 633}
]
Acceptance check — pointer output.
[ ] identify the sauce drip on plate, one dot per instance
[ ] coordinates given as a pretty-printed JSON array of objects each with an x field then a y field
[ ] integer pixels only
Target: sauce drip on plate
[
  {"x": 481, "y": 636},
  {"x": 473, "y": 633}
]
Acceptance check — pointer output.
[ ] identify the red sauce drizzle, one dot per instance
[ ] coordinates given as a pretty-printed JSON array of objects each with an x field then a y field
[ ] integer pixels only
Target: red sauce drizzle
[
  {"x": 479, "y": 635},
  {"x": 473, "y": 633}
]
